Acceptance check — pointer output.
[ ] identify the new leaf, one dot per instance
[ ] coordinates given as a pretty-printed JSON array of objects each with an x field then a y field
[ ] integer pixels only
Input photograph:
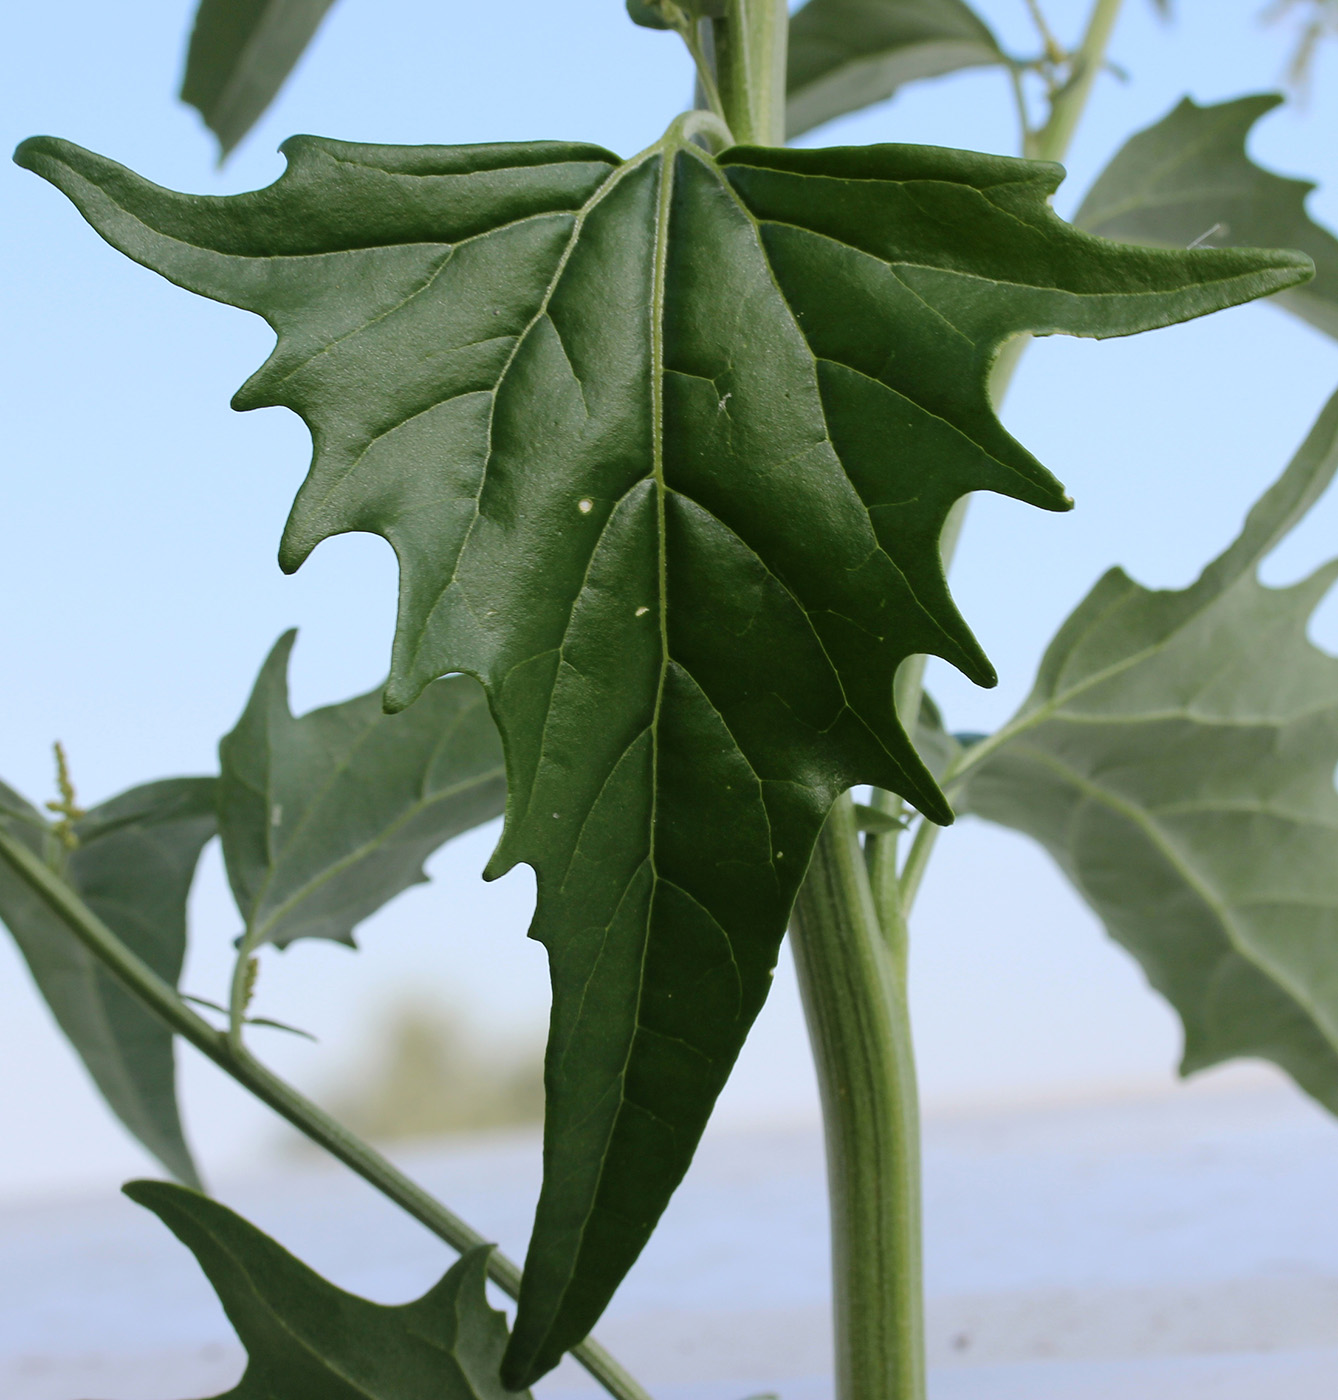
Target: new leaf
[
  {"x": 1188, "y": 180},
  {"x": 133, "y": 866},
  {"x": 664, "y": 448},
  {"x": 1176, "y": 757},
  {"x": 306, "y": 1338},
  {"x": 327, "y": 817}
]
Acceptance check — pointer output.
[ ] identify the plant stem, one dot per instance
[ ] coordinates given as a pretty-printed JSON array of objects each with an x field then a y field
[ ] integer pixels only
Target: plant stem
[
  {"x": 852, "y": 977},
  {"x": 849, "y": 935},
  {"x": 160, "y": 997},
  {"x": 750, "y": 50},
  {"x": 1069, "y": 102},
  {"x": 706, "y": 83}
]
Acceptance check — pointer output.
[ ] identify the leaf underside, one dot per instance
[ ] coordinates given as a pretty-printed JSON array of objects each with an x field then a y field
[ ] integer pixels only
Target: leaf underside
[
  {"x": 306, "y": 1338},
  {"x": 1176, "y": 758},
  {"x": 327, "y": 817},
  {"x": 133, "y": 867},
  {"x": 1188, "y": 179},
  {"x": 664, "y": 448},
  {"x": 848, "y": 54},
  {"x": 241, "y": 51}
]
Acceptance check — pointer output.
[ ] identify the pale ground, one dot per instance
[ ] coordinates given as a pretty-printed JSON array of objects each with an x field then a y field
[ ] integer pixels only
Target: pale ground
[{"x": 1157, "y": 1247}]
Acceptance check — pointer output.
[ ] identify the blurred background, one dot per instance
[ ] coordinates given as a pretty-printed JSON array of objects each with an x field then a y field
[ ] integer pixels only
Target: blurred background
[{"x": 139, "y": 520}]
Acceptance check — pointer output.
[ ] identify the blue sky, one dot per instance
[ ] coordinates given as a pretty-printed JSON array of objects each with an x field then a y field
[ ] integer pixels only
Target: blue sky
[{"x": 141, "y": 517}]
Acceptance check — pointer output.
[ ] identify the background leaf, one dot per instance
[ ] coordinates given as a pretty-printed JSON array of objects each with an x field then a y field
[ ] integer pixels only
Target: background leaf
[
  {"x": 651, "y": 13},
  {"x": 240, "y": 53},
  {"x": 1188, "y": 179},
  {"x": 328, "y": 817},
  {"x": 848, "y": 54},
  {"x": 1176, "y": 757},
  {"x": 133, "y": 867},
  {"x": 306, "y": 1338},
  {"x": 664, "y": 448},
  {"x": 939, "y": 749}
]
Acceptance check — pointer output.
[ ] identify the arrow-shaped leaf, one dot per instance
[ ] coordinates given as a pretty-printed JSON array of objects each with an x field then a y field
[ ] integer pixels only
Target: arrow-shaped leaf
[
  {"x": 848, "y": 54},
  {"x": 240, "y": 53},
  {"x": 306, "y": 1338},
  {"x": 1187, "y": 180},
  {"x": 664, "y": 447},
  {"x": 133, "y": 866},
  {"x": 326, "y": 818},
  {"x": 1176, "y": 757}
]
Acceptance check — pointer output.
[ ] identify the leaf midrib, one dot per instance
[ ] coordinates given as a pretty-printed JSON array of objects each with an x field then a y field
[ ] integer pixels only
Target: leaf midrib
[{"x": 664, "y": 194}]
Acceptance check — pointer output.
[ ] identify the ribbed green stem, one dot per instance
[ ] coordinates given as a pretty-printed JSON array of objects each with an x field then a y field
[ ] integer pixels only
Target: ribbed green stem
[
  {"x": 750, "y": 44},
  {"x": 852, "y": 977},
  {"x": 163, "y": 1000}
]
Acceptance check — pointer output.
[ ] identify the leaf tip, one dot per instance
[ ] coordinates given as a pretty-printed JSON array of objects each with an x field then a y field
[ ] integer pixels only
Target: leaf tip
[
  {"x": 32, "y": 153},
  {"x": 156, "y": 1196}
]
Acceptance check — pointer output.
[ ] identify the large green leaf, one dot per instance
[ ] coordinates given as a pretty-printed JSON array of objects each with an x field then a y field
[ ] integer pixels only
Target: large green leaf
[
  {"x": 240, "y": 53},
  {"x": 326, "y": 818},
  {"x": 133, "y": 867},
  {"x": 1188, "y": 179},
  {"x": 1176, "y": 757},
  {"x": 664, "y": 448},
  {"x": 305, "y": 1339},
  {"x": 847, "y": 54}
]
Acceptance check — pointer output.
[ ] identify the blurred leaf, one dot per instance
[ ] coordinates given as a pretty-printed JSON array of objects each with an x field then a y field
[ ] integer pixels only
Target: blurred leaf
[
  {"x": 1176, "y": 757},
  {"x": 939, "y": 749},
  {"x": 848, "y": 54},
  {"x": 664, "y": 448},
  {"x": 872, "y": 819},
  {"x": 670, "y": 14},
  {"x": 240, "y": 53},
  {"x": 326, "y": 818},
  {"x": 305, "y": 1339},
  {"x": 1187, "y": 180},
  {"x": 133, "y": 867},
  {"x": 647, "y": 14}
]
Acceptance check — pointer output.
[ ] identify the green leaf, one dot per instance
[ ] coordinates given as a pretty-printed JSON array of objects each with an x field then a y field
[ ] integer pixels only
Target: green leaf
[
  {"x": 939, "y": 749},
  {"x": 1188, "y": 180},
  {"x": 306, "y": 1338},
  {"x": 648, "y": 14},
  {"x": 666, "y": 14},
  {"x": 1176, "y": 757},
  {"x": 240, "y": 53},
  {"x": 848, "y": 54},
  {"x": 326, "y": 818},
  {"x": 872, "y": 819},
  {"x": 133, "y": 867},
  {"x": 664, "y": 448}
]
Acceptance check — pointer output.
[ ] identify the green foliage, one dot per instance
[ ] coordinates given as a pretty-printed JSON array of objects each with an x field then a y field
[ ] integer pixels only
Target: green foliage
[
  {"x": 667, "y": 14},
  {"x": 1176, "y": 757},
  {"x": 326, "y": 818},
  {"x": 1188, "y": 180},
  {"x": 664, "y": 448},
  {"x": 306, "y": 1338},
  {"x": 848, "y": 54},
  {"x": 132, "y": 863},
  {"x": 240, "y": 53}
]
